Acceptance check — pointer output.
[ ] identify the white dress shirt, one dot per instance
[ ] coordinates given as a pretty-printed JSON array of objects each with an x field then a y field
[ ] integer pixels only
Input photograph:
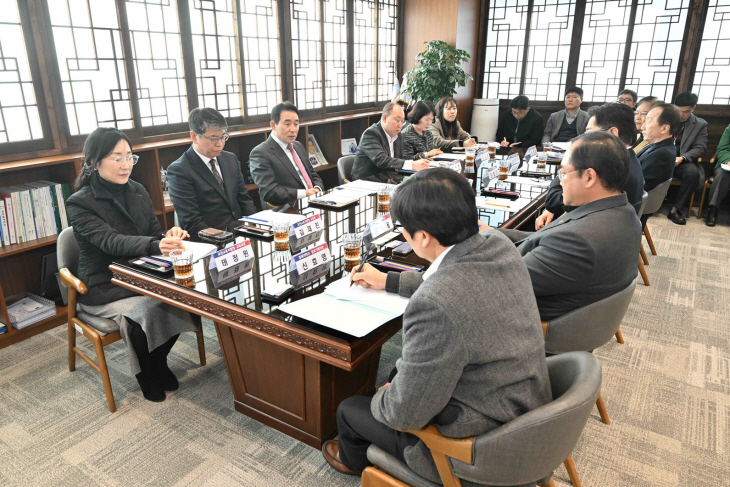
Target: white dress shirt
[
  {"x": 408, "y": 165},
  {"x": 436, "y": 263},
  {"x": 301, "y": 193},
  {"x": 206, "y": 161}
]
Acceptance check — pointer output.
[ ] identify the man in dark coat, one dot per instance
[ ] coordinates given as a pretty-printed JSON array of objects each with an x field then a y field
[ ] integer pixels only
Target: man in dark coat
[{"x": 520, "y": 125}]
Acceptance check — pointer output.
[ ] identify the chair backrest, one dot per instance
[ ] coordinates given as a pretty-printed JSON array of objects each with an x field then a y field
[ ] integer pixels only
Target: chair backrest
[
  {"x": 644, "y": 198},
  {"x": 656, "y": 197},
  {"x": 531, "y": 446},
  {"x": 67, "y": 255},
  {"x": 589, "y": 327},
  {"x": 344, "y": 168}
]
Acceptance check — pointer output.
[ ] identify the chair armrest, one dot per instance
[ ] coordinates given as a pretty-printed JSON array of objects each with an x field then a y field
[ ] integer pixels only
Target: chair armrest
[
  {"x": 71, "y": 281},
  {"x": 714, "y": 159},
  {"x": 544, "y": 328},
  {"x": 459, "y": 448}
]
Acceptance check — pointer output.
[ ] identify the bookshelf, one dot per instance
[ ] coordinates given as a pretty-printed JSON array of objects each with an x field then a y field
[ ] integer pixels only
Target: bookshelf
[{"x": 20, "y": 264}]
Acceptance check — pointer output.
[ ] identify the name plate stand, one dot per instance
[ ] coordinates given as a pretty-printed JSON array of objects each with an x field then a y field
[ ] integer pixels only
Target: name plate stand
[
  {"x": 232, "y": 256},
  {"x": 377, "y": 228},
  {"x": 309, "y": 265},
  {"x": 306, "y": 232}
]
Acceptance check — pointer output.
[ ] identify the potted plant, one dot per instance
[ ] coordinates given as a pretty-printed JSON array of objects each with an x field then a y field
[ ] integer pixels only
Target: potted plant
[{"x": 436, "y": 73}]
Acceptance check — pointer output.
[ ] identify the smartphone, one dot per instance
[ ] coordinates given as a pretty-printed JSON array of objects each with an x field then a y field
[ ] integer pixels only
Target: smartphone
[
  {"x": 215, "y": 234},
  {"x": 402, "y": 250}
]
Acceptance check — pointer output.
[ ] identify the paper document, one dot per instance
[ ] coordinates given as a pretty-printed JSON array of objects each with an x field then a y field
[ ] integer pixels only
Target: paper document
[
  {"x": 200, "y": 250},
  {"x": 500, "y": 204},
  {"x": 382, "y": 300},
  {"x": 543, "y": 183},
  {"x": 349, "y": 317},
  {"x": 563, "y": 146},
  {"x": 369, "y": 186},
  {"x": 267, "y": 216},
  {"x": 461, "y": 157},
  {"x": 340, "y": 195}
]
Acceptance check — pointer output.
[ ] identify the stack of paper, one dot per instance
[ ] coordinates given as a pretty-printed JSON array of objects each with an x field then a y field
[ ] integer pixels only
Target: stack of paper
[
  {"x": 31, "y": 309},
  {"x": 369, "y": 186},
  {"x": 200, "y": 250},
  {"x": 502, "y": 205},
  {"x": 543, "y": 183},
  {"x": 341, "y": 195},
  {"x": 266, "y": 217}
]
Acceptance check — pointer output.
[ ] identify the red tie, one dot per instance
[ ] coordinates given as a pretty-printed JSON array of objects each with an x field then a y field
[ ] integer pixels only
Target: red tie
[{"x": 299, "y": 164}]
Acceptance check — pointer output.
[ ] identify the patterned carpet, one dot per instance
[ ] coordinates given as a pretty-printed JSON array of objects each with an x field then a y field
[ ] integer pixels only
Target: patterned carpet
[{"x": 667, "y": 391}]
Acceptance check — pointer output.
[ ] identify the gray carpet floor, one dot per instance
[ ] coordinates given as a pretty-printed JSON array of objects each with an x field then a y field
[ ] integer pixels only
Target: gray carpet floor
[{"x": 667, "y": 390}]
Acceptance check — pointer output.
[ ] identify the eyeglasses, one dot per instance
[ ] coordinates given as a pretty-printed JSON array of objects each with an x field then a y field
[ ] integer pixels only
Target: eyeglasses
[
  {"x": 625, "y": 100},
  {"x": 561, "y": 175},
  {"x": 216, "y": 140},
  {"x": 120, "y": 160},
  {"x": 399, "y": 121}
]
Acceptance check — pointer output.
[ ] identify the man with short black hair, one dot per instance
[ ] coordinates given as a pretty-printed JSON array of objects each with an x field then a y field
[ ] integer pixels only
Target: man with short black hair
[
  {"x": 569, "y": 123},
  {"x": 642, "y": 109},
  {"x": 473, "y": 350},
  {"x": 380, "y": 154},
  {"x": 628, "y": 98},
  {"x": 280, "y": 166},
  {"x": 206, "y": 183},
  {"x": 591, "y": 252},
  {"x": 520, "y": 125},
  {"x": 690, "y": 140},
  {"x": 658, "y": 160}
]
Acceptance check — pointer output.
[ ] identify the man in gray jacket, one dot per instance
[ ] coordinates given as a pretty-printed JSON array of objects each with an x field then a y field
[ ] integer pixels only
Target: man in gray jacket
[
  {"x": 473, "y": 350},
  {"x": 591, "y": 252},
  {"x": 569, "y": 123}
]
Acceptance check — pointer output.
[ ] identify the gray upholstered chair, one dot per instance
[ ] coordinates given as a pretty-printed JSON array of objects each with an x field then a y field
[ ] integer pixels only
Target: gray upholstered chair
[
  {"x": 525, "y": 450},
  {"x": 643, "y": 260},
  {"x": 653, "y": 203},
  {"x": 344, "y": 169},
  {"x": 100, "y": 331},
  {"x": 587, "y": 328}
]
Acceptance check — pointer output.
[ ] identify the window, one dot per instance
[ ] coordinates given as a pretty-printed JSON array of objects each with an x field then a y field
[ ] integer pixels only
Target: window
[
  {"x": 261, "y": 64},
  {"x": 506, "y": 30},
  {"x": 90, "y": 60},
  {"x": 335, "y": 52},
  {"x": 306, "y": 53},
  {"x": 712, "y": 77},
  {"x": 364, "y": 82},
  {"x": 19, "y": 117},
  {"x": 387, "y": 43}
]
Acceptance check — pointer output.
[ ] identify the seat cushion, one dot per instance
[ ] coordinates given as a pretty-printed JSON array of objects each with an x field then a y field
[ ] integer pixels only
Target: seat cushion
[
  {"x": 396, "y": 468},
  {"x": 102, "y": 325}
]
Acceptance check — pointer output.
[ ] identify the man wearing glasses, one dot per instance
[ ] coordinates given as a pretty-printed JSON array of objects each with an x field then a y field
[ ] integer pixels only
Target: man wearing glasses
[
  {"x": 589, "y": 253},
  {"x": 520, "y": 126},
  {"x": 628, "y": 98},
  {"x": 380, "y": 155},
  {"x": 206, "y": 183},
  {"x": 642, "y": 110}
]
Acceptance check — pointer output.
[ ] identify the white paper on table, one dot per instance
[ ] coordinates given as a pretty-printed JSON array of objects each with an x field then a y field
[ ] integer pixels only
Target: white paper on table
[
  {"x": 369, "y": 186},
  {"x": 382, "y": 300},
  {"x": 563, "y": 146},
  {"x": 349, "y": 317},
  {"x": 543, "y": 183},
  {"x": 341, "y": 195},
  {"x": 461, "y": 157},
  {"x": 200, "y": 250},
  {"x": 502, "y": 204},
  {"x": 267, "y": 216}
]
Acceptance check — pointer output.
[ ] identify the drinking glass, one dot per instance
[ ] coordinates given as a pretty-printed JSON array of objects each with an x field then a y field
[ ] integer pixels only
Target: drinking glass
[
  {"x": 281, "y": 235},
  {"x": 182, "y": 263},
  {"x": 384, "y": 200},
  {"x": 352, "y": 245},
  {"x": 469, "y": 161},
  {"x": 503, "y": 169}
]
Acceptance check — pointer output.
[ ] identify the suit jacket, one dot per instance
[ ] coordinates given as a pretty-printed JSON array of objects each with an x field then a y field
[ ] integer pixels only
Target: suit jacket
[
  {"x": 582, "y": 257},
  {"x": 658, "y": 162},
  {"x": 723, "y": 148},
  {"x": 529, "y": 132},
  {"x": 275, "y": 175},
  {"x": 440, "y": 140},
  {"x": 473, "y": 350},
  {"x": 105, "y": 231},
  {"x": 373, "y": 155},
  {"x": 552, "y": 127},
  {"x": 694, "y": 139},
  {"x": 634, "y": 189},
  {"x": 199, "y": 200}
]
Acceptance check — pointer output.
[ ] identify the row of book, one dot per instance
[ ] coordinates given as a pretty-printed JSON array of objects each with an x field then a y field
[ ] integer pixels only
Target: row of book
[{"x": 32, "y": 211}]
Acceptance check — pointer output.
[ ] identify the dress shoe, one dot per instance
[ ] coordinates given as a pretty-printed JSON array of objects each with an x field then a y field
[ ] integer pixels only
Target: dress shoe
[
  {"x": 165, "y": 378},
  {"x": 151, "y": 390},
  {"x": 676, "y": 217},
  {"x": 711, "y": 216},
  {"x": 331, "y": 452}
]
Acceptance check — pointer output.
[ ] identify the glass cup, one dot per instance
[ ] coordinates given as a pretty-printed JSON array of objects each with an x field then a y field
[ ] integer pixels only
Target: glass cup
[
  {"x": 547, "y": 147},
  {"x": 182, "y": 263},
  {"x": 384, "y": 199},
  {"x": 492, "y": 150},
  {"x": 281, "y": 235},
  {"x": 469, "y": 161},
  {"x": 503, "y": 169},
  {"x": 541, "y": 160},
  {"x": 352, "y": 247}
]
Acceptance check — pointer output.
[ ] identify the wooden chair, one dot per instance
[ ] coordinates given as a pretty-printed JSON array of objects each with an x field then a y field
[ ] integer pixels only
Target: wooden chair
[
  {"x": 677, "y": 182},
  {"x": 653, "y": 203},
  {"x": 707, "y": 186},
  {"x": 99, "y": 331},
  {"x": 514, "y": 453},
  {"x": 643, "y": 260}
]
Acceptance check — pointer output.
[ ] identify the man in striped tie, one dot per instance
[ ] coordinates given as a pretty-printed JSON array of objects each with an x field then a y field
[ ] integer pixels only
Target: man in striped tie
[{"x": 280, "y": 166}]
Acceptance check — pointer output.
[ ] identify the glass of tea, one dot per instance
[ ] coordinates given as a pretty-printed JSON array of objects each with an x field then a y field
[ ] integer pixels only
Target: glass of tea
[
  {"x": 503, "y": 169},
  {"x": 384, "y": 200},
  {"x": 352, "y": 247},
  {"x": 492, "y": 150},
  {"x": 471, "y": 153},
  {"x": 547, "y": 147},
  {"x": 281, "y": 234},
  {"x": 541, "y": 160},
  {"x": 182, "y": 263}
]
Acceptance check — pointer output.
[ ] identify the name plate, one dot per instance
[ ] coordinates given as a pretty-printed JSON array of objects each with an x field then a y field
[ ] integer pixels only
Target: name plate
[
  {"x": 306, "y": 232},
  {"x": 311, "y": 259},
  {"x": 530, "y": 153},
  {"x": 455, "y": 165},
  {"x": 231, "y": 274},
  {"x": 231, "y": 256},
  {"x": 489, "y": 174},
  {"x": 383, "y": 225}
]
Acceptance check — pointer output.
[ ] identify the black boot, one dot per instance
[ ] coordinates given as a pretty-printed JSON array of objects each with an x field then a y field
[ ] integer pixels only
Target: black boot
[
  {"x": 711, "y": 216},
  {"x": 151, "y": 390},
  {"x": 676, "y": 217},
  {"x": 162, "y": 373}
]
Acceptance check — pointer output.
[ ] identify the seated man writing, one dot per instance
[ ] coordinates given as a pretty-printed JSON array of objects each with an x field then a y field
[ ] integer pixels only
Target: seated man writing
[
  {"x": 591, "y": 252},
  {"x": 473, "y": 349}
]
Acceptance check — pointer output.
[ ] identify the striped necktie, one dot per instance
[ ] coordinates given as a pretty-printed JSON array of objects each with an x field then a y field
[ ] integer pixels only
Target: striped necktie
[{"x": 215, "y": 172}]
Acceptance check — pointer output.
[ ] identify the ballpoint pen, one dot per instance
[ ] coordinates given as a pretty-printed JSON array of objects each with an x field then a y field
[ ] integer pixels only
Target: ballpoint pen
[{"x": 363, "y": 262}]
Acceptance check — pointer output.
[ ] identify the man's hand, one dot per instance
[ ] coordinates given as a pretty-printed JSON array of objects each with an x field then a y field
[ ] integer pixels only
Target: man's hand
[
  {"x": 543, "y": 219},
  {"x": 168, "y": 244},
  {"x": 678, "y": 161},
  {"x": 369, "y": 277},
  {"x": 434, "y": 152},
  {"x": 312, "y": 191},
  {"x": 483, "y": 226},
  {"x": 420, "y": 165},
  {"x": 470, "y": 143},
  {"x": 177, "y": 232},
  {"x": 504, "y": 143}
]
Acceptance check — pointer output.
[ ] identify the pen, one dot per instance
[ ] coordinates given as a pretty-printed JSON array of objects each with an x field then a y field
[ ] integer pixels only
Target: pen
[
  {"x": 179, "y": 245},
  {"x": 363, "y": 262},
  {"x": 256, "y": 219},
  {"x": 495, "y": 204}
]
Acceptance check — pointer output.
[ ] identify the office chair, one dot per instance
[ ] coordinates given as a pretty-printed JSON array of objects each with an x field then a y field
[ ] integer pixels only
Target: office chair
[{"x": 344, "y": 169}]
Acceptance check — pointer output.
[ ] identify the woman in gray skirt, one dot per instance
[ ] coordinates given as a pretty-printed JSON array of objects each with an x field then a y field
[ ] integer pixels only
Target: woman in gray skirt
[{"x": 112, "y": 217}]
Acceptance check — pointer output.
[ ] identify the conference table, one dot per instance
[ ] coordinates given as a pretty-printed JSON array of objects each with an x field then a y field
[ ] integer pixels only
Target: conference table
[{"x": 289, "y": 373}]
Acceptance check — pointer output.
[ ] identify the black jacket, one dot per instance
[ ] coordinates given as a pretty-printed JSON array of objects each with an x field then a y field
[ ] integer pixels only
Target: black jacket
[
  {"x": 106, "y": 231},
  {"x": 373, "y": 155},
  {"x": 529, "y": 131},
  {"x": 658, "y": 162},
  {"x": 199, "y": 200}
]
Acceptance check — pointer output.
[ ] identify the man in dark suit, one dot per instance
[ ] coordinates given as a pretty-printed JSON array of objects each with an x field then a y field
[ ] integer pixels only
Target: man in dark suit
[
  {"x": 473, "y": 350},
  {"x": 589, "y": 253},
  {"x": 379, "y": 156},
  {"x": 642, "y": 110},
  {"x": 658, "y": 159},
  {"x": 569, "y": 123},
  {"x": 690, "y": 140},
  {"x": 520, "y": 125},
  {"x": 206, "y": 183},
  {"x": 617, "y": 119},
  {"x": 280, "y": 166}
]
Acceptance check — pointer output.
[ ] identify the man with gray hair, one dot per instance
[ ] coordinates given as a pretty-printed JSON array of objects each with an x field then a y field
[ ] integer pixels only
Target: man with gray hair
[
  {"x": 380, "y": 155},
  {"x": 206, "y": 183}
]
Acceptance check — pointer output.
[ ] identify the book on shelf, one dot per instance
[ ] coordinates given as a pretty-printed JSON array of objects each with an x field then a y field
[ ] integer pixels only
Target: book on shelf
[
  {"x": 316, "y": 158},
  {"x": 3, "y": 328},
  {"x": 30, "y": 309},
  {"x": 32, "y": 210}
]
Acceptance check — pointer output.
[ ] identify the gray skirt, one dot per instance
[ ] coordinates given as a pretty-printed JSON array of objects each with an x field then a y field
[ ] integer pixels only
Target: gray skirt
[{"x": 160, "y": 321}]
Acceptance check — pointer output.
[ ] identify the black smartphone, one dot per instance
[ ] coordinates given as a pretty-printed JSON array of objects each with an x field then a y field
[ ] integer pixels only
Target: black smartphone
[
  {"x": 402, "y": 250},
  {"x": 213, "y": 234}
]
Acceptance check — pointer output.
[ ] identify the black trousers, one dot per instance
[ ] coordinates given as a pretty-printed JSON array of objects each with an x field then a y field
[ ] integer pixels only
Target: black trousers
[
  {"x": 689, "y": 174},
  {"x": 148, "y": 359},
  {"x": 358, "y": 430},
  {"x": 720, "y": 186}
]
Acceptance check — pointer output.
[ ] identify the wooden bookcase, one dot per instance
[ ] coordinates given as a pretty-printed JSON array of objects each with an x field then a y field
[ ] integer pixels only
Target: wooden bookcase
[{"x": 20, "y": 264}]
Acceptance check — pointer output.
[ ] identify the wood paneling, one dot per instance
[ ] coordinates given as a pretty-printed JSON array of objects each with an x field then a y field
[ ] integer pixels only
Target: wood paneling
[{"x": 467, "y": 38}]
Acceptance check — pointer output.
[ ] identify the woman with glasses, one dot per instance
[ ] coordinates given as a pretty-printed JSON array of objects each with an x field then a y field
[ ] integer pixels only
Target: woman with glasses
[
  {"x": 447, "y": 132},
  {"x": 418, "y": 141},
  {"x": 520, "y": 125},
  {"x": 112, "y": 218}
]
